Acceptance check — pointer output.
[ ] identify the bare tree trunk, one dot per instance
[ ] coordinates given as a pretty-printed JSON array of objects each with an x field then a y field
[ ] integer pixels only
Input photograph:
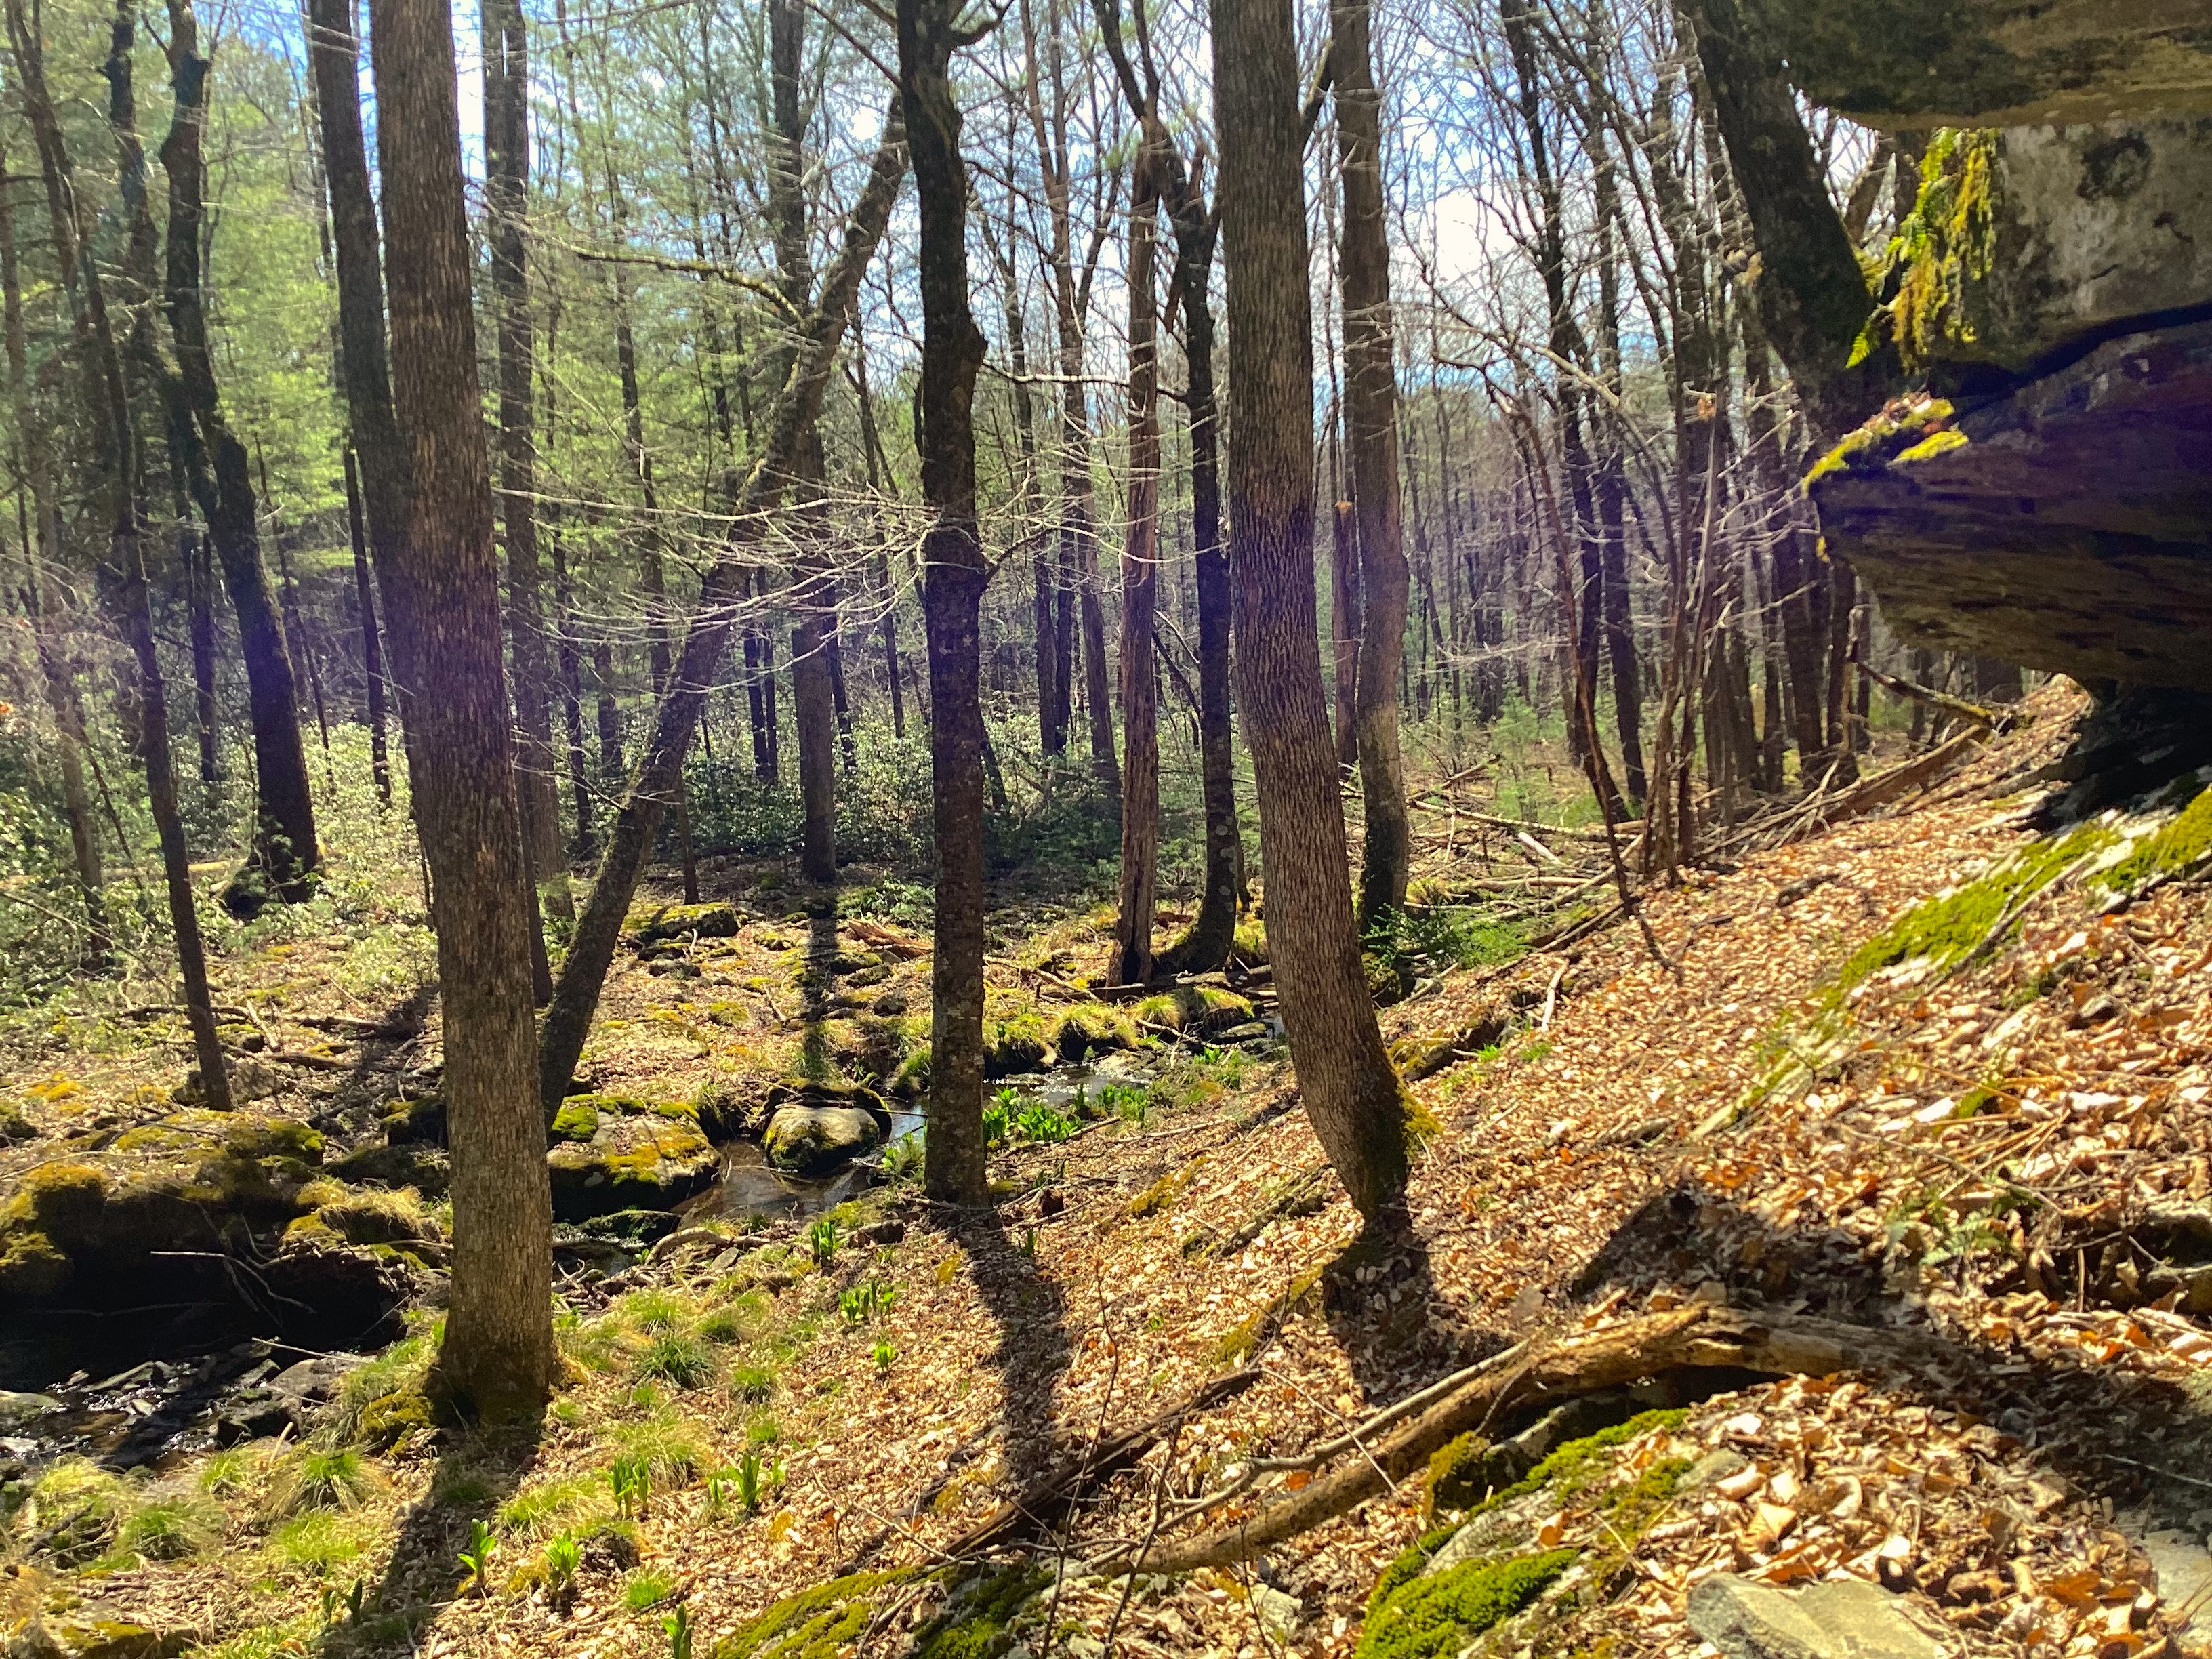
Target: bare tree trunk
[
  {"x": 1140, "y": 547},
  {"x": 442, "y": 589},
  {"x": 372, "y": 649},
  {"x": 1351, "y": 1093},
  {"x": 383, "y": 486},
  {"x": 590, "y": 951},
  {"x": 812, "y": 694},
  {"x": 1371, "y": 411},
  {"x": 285, "y": 846},
  {"x": 955, "y": 571},
  {"x": 507, "y": 186}
]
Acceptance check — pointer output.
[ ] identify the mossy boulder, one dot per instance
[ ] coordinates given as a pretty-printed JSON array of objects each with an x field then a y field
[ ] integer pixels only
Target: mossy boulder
[
  {"x": 638, "y": 1156},
  {"x": 912, "y": 1077},
  {"x": 821, "y": 1621},
  {"x": 1015, "y": 1044},
  {"x": 813, "y": 1139},
  {"x": 1090, "y": 1028},
  {"x": 191, "y": 1186},
  {"x": 426, "y": 1169},
  {"x": 675, "y": 921},
  {"x": 418, "y": 1122},
  {"x": 1201, "y": 1011}
]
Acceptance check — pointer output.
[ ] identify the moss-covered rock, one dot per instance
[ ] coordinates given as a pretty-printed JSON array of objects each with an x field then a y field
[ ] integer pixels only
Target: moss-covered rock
[
  {"x": 979, "y": 1619},
  {"x": 577, "y": 1120},
  {"x": 1433, "y": 1618},
  {"x": 639, "y": 1156},
  {"x": 1090, "y": 1028},
  {"x": 814, "y": 1140},
  {"x": 674, "y": 921},
  {"x": 1201, "y": 1011},
  {"x": 820, "y": 1622},
  {"x": 424, "y": 1168}
]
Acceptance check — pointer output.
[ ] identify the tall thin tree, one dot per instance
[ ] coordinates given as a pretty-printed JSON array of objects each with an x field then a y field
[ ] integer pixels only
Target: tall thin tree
[
  {"x": 1352, "y": 1093},
  {"x": 441, "y": 590}
]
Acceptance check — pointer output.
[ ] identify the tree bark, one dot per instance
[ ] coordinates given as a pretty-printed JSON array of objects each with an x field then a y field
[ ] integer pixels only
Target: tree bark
[
  {"x": 442, "y": 590},
  {"x": 285, "y": 845},
  {"x": 372, "y": 647},
  {"x": 383, "y": 467},
  {"x": 1141, "y": 548},
  {"x": 507, "y": 187},
  {"x": 1813, "y": 298},
  {"x": 1205, "y": 945},
  {"x": 812, "y": 689},
  {"x": 722, "y": 599},
  {"x": 1371, "y": 412},
  {"x": 955, "y": 571},
  {"x": 1353, "y": 1097}
]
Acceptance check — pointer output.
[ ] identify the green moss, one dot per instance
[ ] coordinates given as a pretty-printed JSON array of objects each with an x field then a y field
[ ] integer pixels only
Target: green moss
[
  {"x": 577, "y": 1120},
  {"x": 1198, "y": 1009},
  {"x": 384, "y": 1422},
  {"x": 1252, "y": 1335},
  {"x": 1431, "y": 1617},
  {"x": 819, "y": 1622},
  {"x": 1090, "y": 1028},
  {"x": 1463, "y": 1472},
  {"x": 1407, "y": 1567},
  {"x": 2179, "y": 847},
  {"x": 683, "y": 921},
  {"x": 274, "y": 1138},
  {"x": 912, "y": 1076},
  {"x": 1940, "y": 258},
  {"x": 31, "y": 1267},
  {"x": 1248, "y": 945},
  {"x": 1945, "y": 929},
  {"x": 1014, "y": 1044},
  {"x": 975, "y": 1623},
  {"x": 1932, "y": 446}
]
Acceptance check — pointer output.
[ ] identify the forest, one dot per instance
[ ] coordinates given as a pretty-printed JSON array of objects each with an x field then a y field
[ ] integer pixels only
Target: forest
[{"x": 920, "y": 827}]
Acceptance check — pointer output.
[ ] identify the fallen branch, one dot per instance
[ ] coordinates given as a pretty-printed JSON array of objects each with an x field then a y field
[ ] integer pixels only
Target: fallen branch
[
  {"x": 1950, "y": 705},
  {"x": 1700, "y": 1336},
  {"x": 1051, "y": 1496}
]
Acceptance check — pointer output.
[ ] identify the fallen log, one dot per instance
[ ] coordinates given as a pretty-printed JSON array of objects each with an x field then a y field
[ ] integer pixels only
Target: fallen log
[{"x": 1696, "y": 1337}]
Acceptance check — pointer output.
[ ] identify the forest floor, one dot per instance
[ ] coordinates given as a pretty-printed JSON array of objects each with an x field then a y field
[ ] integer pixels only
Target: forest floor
[{"x": 1928, "y": 1072}]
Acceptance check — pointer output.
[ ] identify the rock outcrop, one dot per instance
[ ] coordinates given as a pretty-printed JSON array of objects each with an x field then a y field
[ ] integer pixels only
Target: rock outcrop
[
  {"x": 2067, "y": 525},
  {"x": 1995, "y": 63}
]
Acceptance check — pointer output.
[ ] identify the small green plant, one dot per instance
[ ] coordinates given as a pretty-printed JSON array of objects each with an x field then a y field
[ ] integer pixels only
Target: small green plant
[
  {"x": 752, "y": 1384},
  {"x": 563, "y": 1555},
  {"x": 322, "y": 1480},
  {"x": 885, "y": 1353},
  {"x": 1041, "y": 1122},
  {"x": 1029, "y": 1243},
  {"x": 476, "y": 1558},
  {"x": 678, "y": 1626},
  {"x": 821, "y": 1240},
  {"x": 755, "y": 1480},
  {"x": 631, "y": 1480},
  {"x": 903, "y": 1157},
  {"x": 679, "y": 1359},
  {"x": 998, "y": 1116},
  {"x": 863, "y": 1304},
  {"x": 646, "y": 1589},
  {"x": 1129, "y": 1101}
]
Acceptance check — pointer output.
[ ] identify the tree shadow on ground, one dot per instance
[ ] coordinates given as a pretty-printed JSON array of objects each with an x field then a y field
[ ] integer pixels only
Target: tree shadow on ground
[
  {"x": 2113, "y": 1430},
  {"x": 477, "y": 1470},
  {"x": 1032, "y": 1352},
  {"x": 818, "y": 978},
  {"x": 1398, "y": 1331}
]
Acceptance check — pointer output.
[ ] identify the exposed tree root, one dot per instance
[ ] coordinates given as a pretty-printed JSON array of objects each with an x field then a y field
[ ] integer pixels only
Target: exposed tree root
[{"x": 1696, "y": 1337}]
